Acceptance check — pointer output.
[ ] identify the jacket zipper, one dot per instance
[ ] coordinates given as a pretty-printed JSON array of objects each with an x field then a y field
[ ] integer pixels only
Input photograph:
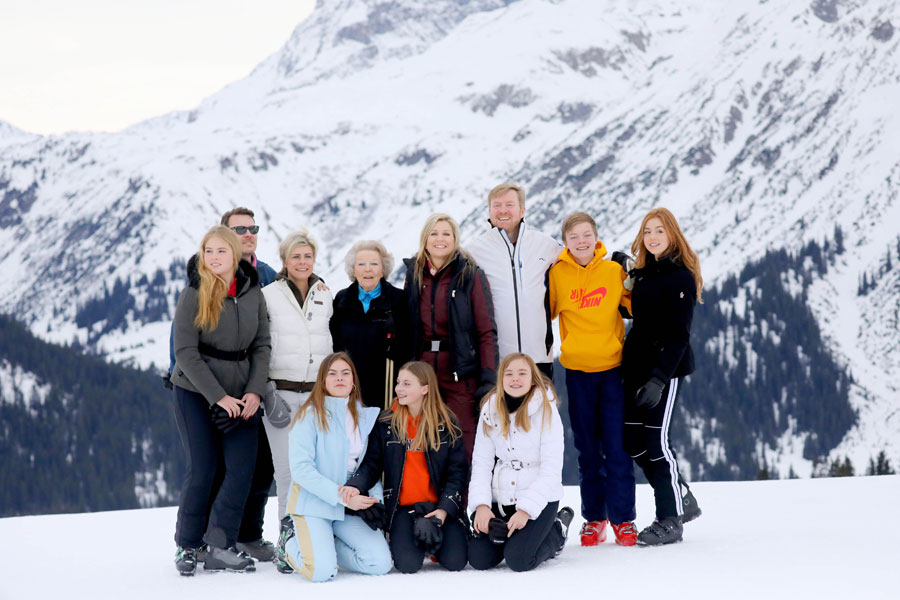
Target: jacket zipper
[
  {"x": 399, "y": 487},
  {"x": 512, "y": 266}
]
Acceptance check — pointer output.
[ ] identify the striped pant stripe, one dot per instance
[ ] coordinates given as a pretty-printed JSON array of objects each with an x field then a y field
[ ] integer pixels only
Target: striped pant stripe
[{"x": 664, "y": 444}]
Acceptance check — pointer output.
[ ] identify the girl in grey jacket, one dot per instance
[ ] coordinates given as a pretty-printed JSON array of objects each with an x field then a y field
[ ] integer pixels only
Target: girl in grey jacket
[{"x": 221, "y": 340}]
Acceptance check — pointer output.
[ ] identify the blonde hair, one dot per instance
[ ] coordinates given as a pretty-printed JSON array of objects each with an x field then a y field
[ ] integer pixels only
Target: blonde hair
[
  {"x": 679, "y": 249},
  {"x": 316, "y": 400},
  {"x": 501, "y": 189},
  {"x": 434, "y": 415},
  {"x": 213, "y": 289},
  {"x": 387, "y": 259},
  {"x": 538, "y": 382},
  {"x": 291, "y": 241},
  {"x": 577, "y": 218},
  {"x": 422, "y": 255}
]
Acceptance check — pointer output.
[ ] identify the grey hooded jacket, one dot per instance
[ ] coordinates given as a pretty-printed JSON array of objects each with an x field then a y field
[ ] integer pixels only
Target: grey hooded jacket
[{"x": 243, "y": 325}]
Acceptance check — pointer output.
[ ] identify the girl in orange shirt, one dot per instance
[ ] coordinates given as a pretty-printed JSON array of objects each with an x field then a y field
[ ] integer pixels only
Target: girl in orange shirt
[{"x": 418, "y": 446}]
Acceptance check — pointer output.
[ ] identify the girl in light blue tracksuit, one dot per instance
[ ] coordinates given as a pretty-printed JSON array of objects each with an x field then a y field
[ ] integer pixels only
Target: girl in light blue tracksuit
[{"x": 327, "y": 442}]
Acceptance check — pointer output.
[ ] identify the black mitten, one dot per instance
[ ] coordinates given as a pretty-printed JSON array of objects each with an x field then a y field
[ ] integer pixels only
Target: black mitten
[
  {"x": 428, "y": 534},
  {"x": 650, "y": 393},
  {"x": 373, "y": 516},
  {"x": 221, "y": 420},
  {"x": 622, "y": 259},
  {"x": 498, "y": 531}
]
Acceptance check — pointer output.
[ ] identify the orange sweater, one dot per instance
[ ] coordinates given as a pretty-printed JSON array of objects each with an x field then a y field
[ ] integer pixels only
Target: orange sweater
[{"x": 416, "y": 484}]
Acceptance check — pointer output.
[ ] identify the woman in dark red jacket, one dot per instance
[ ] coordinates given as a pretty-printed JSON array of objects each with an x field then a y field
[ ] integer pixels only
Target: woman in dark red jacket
[
  {"x": 453, "y": 326},
  {"x": 657, "y": 354}
]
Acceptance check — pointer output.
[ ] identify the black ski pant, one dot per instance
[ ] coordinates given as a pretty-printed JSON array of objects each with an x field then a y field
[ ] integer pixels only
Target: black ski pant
[
  {"x": 408, "y": 557},
  {"x": 528, "y": 547},
  {"x": 263, "y": 474},
  {"x": 647, "y": 441},
  {"x": 211, "y": 512}
]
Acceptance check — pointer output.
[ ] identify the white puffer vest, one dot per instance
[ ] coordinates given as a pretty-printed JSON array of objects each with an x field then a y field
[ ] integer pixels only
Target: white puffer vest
[{"x": 300, "y": 335}]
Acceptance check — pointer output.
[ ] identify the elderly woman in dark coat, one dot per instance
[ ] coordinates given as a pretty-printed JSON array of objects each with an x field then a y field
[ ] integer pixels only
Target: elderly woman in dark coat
[{"x": 371, "y": 321}]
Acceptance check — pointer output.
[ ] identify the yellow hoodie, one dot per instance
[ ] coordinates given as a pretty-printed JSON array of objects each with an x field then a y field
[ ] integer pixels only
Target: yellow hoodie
[{"x": 587, "y": 300}]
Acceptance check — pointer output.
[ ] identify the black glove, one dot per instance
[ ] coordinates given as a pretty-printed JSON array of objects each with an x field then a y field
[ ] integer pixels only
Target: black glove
[
  {"x": 498, "y": 531},
  {"x": 372, "y": 516},
  {"x": 621, "y": 258},
  {"x": 650, "y": 393},
  {"x": 167, "y": 381},
  {"x": 428, "y": 534},
  {"x": 483, "y": 390},
  {"x": 221, "y": 420}
]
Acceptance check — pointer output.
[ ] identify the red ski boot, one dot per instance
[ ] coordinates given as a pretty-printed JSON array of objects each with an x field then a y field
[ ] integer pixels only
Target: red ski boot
[
  {"x": 593, "y": 533},
  {"x": 626, "y": 534}
]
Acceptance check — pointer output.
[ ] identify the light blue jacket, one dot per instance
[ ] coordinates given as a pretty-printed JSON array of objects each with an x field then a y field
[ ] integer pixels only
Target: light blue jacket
[{"x": 319, "y": 460}]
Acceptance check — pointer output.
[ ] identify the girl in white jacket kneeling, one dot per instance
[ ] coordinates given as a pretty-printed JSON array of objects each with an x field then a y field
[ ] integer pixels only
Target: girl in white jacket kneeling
[{"x": 515, "y": 498}]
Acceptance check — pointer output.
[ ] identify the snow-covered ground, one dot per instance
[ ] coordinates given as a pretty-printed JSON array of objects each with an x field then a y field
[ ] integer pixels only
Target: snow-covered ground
[{"x": 817, "y": 538}]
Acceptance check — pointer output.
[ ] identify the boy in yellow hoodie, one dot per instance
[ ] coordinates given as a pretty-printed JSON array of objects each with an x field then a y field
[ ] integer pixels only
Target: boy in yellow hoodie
[{"x": 586, "y": 292}]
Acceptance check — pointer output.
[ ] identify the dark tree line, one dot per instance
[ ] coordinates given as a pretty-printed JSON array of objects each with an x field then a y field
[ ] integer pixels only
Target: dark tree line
[{"x": 86, "y": 446}]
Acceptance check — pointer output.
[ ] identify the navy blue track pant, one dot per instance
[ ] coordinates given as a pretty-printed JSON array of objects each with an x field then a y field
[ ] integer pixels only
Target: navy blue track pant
[
  {"x": 209, "y": 512},
  {"x": 647, "y": 441},
  {"x": 605, "y": 470}
]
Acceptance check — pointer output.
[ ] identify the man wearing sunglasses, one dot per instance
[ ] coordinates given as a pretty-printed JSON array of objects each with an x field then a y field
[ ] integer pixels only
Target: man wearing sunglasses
[{"x": 240, "y": 220}]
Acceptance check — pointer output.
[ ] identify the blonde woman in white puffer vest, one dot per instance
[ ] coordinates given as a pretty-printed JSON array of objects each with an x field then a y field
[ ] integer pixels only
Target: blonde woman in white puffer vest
[{"x": 299, "y": 305}]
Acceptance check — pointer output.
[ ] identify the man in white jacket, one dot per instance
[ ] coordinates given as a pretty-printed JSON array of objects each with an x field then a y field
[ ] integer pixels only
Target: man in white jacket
[{"x": 516, "y": 259}]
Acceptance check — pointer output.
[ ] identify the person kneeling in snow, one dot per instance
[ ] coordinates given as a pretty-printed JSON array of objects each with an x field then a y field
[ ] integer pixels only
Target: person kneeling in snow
[
  {"x": 516, "y": 481},
  {"x": 329, "y": 437},
  {"x": 418, "y": 447}
]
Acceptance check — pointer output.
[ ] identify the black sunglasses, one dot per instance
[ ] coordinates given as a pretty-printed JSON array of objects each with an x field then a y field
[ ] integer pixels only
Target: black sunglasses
[{"x": 242, "y": 229}]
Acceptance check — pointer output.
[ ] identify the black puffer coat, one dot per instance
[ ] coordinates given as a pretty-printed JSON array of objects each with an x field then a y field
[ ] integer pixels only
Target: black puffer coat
[
  {"x": 372, "y": 337},
  {"x": 447, "y": 468},
  {"x": 662, "y": 303}
]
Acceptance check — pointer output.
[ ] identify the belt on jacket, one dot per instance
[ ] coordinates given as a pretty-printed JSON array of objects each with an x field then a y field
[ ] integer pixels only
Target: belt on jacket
[
  {"x": 437, "y": 345},
  {"x": 515, "y": 464},
  {"x": 232, "y": 355},
  {"x": 301, "y": 387}
]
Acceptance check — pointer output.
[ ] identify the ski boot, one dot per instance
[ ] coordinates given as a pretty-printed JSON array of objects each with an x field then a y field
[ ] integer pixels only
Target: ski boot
[
  {"x": 593, "y": 533},
  {"x": 228, "y": 559},
  {"x": 261, "y": 550},
  {"x": 626, "y": 534},
  {"x": 661, "y": 531},
  {"x": 280, "y": 560},
  {"x": 186, "y": 560}
]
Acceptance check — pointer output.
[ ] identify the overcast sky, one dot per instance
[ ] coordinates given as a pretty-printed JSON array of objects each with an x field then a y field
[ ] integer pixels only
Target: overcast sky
[{"x": 105, "y": 64}]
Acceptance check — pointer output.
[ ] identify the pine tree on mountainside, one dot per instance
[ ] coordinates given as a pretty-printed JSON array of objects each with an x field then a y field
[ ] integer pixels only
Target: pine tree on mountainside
[
  {"x": 880, "y": 465},
  {"x": 838, "y": 240},
  {"x": 840, "y": 468}
]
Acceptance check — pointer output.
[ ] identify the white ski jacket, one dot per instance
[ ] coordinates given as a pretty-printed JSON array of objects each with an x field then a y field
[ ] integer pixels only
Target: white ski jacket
[
  {"x": 528, "y": 470},
  {"x": 301, "y": 338},
  {"x": 516, "y": 275}
]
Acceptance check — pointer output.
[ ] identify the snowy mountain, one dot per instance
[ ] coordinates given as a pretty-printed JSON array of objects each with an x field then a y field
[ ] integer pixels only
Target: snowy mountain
[
  {"x": 784, "y": 550},
  {"x": 762, "y": 125}
]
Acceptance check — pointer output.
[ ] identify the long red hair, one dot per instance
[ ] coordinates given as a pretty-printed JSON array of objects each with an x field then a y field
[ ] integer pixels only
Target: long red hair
[{"x": 679, "y": 249}]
